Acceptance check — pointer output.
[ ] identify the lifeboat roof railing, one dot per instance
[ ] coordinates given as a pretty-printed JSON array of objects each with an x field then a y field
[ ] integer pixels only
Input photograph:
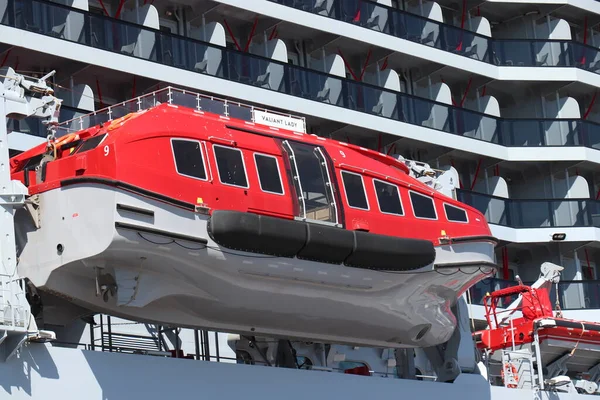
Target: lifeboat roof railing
[
  {"x": 190, "y": 99},
  {"x": 211, "y": 104}
]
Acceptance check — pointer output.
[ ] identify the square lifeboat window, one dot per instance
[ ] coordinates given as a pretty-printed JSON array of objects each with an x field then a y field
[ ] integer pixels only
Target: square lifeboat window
[
  {"x": 388, "y": 198},
  {"x": 268, "y": 173},
  {"x": 230, "y": 165},
  {"x": 355, "y": 190},
  {"x": 422, "y": 205},
  {"x": 188, "y": 158},
  {"x": 455, "y": 214}
]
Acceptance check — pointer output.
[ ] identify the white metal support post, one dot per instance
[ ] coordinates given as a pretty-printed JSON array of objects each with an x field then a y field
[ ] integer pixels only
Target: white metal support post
[
  {"x": 20, "y": 97},
  {"x": 14, "y": 311}
]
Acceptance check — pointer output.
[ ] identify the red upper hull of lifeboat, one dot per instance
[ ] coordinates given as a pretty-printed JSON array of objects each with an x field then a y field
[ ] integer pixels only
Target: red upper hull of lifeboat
[{"x": 138, "y": 150}]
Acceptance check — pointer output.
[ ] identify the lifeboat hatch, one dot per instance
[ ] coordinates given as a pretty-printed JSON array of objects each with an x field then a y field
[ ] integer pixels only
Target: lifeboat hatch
[{"x": 312, "y": 182}]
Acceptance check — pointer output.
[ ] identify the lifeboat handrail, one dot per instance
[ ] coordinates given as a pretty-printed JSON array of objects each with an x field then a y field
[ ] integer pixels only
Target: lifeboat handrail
[
  {"x": 170, "y": 95},
  {"x": 328, "y": 174},
  {"x": 296, "y": 176}
]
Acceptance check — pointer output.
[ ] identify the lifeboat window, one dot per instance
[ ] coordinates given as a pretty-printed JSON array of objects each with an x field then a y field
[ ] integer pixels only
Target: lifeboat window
[
  {"x": 268, "y": 173},
  {"x": 388, "y": 197},
  {"x": 188, "y": 158},
  {"x": 91, "y": 143},
  {"x": 354, "y": 187},
  {"x": 455, "y": 214},
  {"x": 230, "y": 165},
  {"x": 422, "y": 205}
]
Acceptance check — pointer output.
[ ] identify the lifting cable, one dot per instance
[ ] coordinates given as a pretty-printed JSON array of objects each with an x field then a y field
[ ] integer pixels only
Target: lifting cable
[
  {"x": 585, "y": 33},
  {"x": 459, "y": 46},
  {"x": 357, "y": 13},
  {"x": 384, "y": 65},
  {"x": 250, "y": 37},
  {"x": 476, "y": 174},
  {"x": 245, "y": 63},
  {"x": 590, "y": 270},
  {"x": 274, "y": 33},
  {"x": 360, "y": 77},
  {"x": 505, "y": 268},
  {"x": 133, "y": 90},
  {"x": 590, "y": 106},
  {"x": 99, "y": 93},
  {"x": 5, "y": 57}
]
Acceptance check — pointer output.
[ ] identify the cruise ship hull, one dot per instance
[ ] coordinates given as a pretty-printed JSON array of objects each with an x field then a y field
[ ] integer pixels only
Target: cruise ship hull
[{"x": 117, "y": 252}]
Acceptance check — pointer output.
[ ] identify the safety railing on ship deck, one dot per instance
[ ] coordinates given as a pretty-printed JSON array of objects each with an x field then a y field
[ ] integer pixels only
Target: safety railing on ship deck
[
  {"x": 419, "y": 29},
  {"x": 167, "y": 342},
  {"x": 189, "y": 54},
  {"x": 572, "y": 295},
  {"x": 534, "y": 213}
]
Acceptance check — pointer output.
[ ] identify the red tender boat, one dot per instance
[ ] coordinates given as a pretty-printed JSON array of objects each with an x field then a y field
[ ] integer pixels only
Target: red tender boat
[{"x": 181, "y": 217}]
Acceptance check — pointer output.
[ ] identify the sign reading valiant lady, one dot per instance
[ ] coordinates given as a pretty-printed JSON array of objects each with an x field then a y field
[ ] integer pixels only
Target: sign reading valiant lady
[{"x": 279, "y": 121}]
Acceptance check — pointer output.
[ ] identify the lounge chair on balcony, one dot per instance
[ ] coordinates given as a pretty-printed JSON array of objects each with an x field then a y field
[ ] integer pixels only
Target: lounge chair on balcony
[
  {"x": 323, "y": 96},
  {"x": 372, "y": 23},
  {"x": 263, "y": 80},
  {"x": 201, "y": 66},
  {"x": 320, "y": 6},
  {"x": 128, "y": 48}
]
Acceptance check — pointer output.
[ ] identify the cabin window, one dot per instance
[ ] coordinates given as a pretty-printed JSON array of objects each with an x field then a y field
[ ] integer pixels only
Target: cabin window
[
  {"x": 188, "y": 158},
  {"x": 268, "y": 173},
  {"x": 388, "y": 197},
  {"x": 91, "y": 143},
  {"x": 355, "y": 190},
  {"x": 230, "y": 164},
  {"x": 422, "y": 205},
  {"x": 455, "y": 214}
]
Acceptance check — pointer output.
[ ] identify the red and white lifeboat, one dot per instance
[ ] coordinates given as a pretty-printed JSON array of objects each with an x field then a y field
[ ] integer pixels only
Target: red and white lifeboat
[{"x": 176, "y": 217}]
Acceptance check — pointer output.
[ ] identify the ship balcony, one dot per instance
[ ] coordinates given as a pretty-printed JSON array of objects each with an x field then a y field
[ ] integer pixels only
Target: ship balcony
[
  {"x": 579, "y": 299},
  {"x": 132, "y": 48},
  {"x": 460, "y": 49},
  {"x": 536, "y": 220}
]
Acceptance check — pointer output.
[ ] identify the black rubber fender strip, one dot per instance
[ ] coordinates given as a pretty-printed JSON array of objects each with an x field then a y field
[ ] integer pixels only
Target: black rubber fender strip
[
  {"x": 480, "y": 238},
  {"x": 390, "y": 253},
  {"x": 321, "y": 243},
  {"x": 471, "y": 264},
  {"x": 135, "y": 210},
  {"x": 129, "y": 187},
  {"x": 257, "y": 233},
  {"x": 152, "y": 231},
  {"x": 326, "y": 244}
]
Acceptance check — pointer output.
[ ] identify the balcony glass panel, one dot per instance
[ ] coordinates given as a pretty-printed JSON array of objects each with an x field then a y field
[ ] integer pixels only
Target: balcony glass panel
[
  {"x": 516, "y": 213},
  {"x": 418, "y": 29},
  {"x": 193, "y": 55}
]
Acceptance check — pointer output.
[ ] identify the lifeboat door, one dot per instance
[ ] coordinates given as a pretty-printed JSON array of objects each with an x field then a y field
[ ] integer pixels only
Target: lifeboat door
[{"x": 312, "y": 181}]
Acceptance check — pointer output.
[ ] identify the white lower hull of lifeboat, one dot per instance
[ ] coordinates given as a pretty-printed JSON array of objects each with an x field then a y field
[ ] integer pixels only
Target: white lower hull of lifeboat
[{"x": 174, "y": 279}]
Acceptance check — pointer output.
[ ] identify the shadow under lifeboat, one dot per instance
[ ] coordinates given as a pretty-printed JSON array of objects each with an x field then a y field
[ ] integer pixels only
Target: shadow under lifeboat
[{"x": 181, "y": 218}]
